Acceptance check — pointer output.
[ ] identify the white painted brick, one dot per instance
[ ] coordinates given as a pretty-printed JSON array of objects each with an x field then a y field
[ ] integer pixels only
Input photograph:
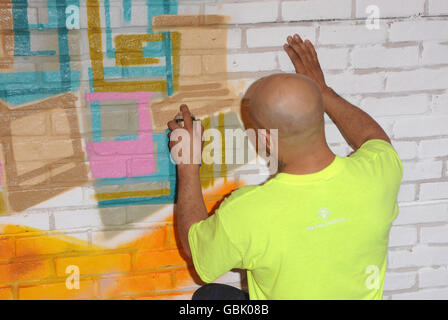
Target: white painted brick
[
  {"x": 406, "y": 193},
  {"x": 234, "y": 38},
  {"x": 426, "y": 169},
  {"x": 434, "y": 53},
  {"x": 74, "y": 219},
  {"x": 406, "y": 149},
  {"x": 351, "y": 34},
  {"x": 333, "y": 134},
  {"x": 388, "y": 106},
  {"x": 437, "y": 234},
  {"x": 246, "y": 12},
  {"x": 433, "y": 277},
  {"x": 434, "y": 190},
  {"x": 386, "y": 124},
  {"x": 316, "y": 10},
  {"x": 338, "y": 40},
  {"x": 421, "y": 127},
  {"x": 36, "y": 220},
  {"x": 388, "y": 8},
  {"x": 329, "y": 58},
  {"x": 422, "y": 213},
  {"x": 418, "y": 256},
  {"x": 277, "y": 36},
  {"x": 184, "y": 7},
  {"x": 418, "y": 30},
  {"x": 438, "y": 7},
  {"x": 71, "y": 198},
  {"x": 402, "y": 236},
  {"x": 356, "y": 83},
  {"x": 399, "y": 280},
  {"x": 382, "y": 57},
  {"x": 333, "y": 58},
  {"x": 421, "y": 79},
  {"x": 433, "y": 148},
  {"x": 430, "y": 294},
  {"x": 241, "y": 62},
  {"x": 439, "y": 104}
]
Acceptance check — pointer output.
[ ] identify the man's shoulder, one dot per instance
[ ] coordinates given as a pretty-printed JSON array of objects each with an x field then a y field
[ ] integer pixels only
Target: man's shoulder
[
  {"x": 245, "y": 197},
  {"x": 241, "y": 194},
  {"x": 240, "y": 206},
  {"x": 377, "y": 156},
  {"x": 374, "y": 147}
]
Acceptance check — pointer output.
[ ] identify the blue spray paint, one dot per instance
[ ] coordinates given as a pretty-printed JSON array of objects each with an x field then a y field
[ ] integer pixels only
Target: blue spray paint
[{"x": 30, "y": 86}]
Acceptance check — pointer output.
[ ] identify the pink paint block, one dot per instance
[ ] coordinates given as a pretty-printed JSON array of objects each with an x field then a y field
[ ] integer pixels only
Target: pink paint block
[{"x": 118, "y": 159}]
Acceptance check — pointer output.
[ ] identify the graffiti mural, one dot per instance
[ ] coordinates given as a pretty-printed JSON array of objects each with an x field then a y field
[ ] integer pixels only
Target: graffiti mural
[
  {"x": 56, "y": 75},
  {"x": 42, "y": 156},
  {"x": 86, "y": 90}
]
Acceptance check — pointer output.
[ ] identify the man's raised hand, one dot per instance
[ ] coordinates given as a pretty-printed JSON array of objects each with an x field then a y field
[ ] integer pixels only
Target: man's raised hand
[
  {"x": 304, "y": 58},
  {"x": 186, "y": 142}
]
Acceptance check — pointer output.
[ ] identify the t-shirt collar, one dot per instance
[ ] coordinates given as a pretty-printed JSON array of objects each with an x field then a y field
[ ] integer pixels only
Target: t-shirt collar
[{"x": 333, "y": 168}]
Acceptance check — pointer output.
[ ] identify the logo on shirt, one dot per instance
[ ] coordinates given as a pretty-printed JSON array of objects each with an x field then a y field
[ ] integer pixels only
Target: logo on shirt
[{"x": 323, "y": 213}]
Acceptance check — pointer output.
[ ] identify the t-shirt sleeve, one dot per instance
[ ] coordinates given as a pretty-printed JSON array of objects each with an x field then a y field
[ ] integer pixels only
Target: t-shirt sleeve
[
  {"x": 385, "y": 161},
  {"x": 213, "y": 250},
  {"x": 380, "y": 160}
]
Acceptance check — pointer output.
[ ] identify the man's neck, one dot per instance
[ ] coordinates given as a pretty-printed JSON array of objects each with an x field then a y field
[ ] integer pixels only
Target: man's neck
[{"x": 309, "y": 162}]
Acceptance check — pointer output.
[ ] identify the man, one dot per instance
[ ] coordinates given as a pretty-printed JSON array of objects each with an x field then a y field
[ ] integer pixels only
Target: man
[{"x": 319, "y": 229}]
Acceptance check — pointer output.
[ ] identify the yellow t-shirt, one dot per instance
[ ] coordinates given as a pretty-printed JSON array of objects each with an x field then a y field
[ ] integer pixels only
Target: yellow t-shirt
[{"x": 316, "y": 236}]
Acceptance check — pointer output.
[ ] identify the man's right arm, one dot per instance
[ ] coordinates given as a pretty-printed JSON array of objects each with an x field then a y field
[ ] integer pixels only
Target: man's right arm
[{"x": 355, "y": 125}]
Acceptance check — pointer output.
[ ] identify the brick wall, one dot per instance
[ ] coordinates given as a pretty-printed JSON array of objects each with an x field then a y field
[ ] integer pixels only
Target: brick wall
[{"x": 86, "y": 178}]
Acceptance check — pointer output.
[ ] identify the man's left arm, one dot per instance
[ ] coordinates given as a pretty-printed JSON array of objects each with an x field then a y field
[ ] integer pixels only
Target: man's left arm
[{"x": 190, "y": 206}]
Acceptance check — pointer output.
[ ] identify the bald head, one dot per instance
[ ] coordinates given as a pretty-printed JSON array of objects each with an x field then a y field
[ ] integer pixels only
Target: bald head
[{"x": 291, "y": 103}]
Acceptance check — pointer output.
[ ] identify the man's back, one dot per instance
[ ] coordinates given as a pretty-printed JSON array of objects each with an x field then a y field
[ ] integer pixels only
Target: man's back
[
  {"x": 316, "y": 236},
  {"x": 320, "y": 228}
]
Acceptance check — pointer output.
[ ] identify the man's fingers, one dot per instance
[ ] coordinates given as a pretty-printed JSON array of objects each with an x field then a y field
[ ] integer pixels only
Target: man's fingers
[
  {"x": 297, "y": 38},
  {"x": 303, "y": 50},
  {"x": 293, "y": 43},
  {"x": 295, "y": 52},
  {"x": 296, "y": 61},
  {"x": 297, "y": 44},
  {"x": 301, "y": 47},
  {"x": 312, "y": 50},
  {"x": 186, "y": 114}
]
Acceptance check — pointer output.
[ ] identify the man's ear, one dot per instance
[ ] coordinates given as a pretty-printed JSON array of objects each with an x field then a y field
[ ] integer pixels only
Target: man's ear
[{"x": 266, "y": 139}]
